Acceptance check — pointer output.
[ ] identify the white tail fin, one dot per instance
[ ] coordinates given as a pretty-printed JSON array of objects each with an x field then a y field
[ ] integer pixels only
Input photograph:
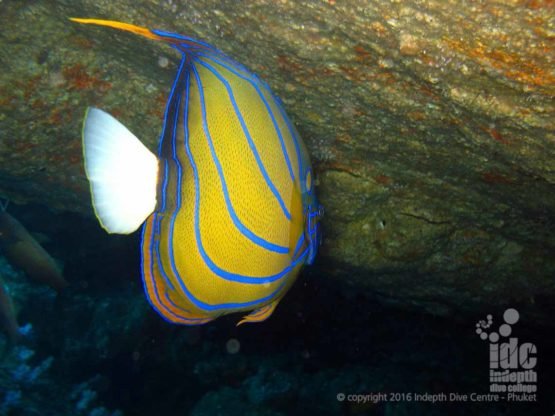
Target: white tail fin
[{"x": 122, "y": 172}]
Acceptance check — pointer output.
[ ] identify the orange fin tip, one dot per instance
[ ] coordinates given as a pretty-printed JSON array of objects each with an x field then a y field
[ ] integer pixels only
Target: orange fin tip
[
  {"x": 126, "y": 27},
  {"x": 259, "y": 315}
]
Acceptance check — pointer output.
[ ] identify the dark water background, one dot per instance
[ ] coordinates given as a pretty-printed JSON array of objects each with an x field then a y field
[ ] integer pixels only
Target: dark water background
[{"x": 113, "y": 355}]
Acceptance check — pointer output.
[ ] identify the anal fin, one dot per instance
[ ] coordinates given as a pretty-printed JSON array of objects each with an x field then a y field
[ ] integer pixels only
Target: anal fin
[{"x": 259, "y": 315}]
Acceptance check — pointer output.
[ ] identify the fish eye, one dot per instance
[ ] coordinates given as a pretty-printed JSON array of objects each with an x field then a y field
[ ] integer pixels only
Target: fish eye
[{"x": 308, "y": 181}]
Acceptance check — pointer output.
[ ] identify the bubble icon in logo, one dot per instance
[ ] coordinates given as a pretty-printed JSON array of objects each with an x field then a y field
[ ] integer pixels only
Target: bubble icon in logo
[
  {"x": 484, "y": 324},
  {"x": 510, "y": 316}
]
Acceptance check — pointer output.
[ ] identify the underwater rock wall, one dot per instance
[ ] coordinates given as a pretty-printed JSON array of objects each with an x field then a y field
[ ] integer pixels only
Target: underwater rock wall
[{"x": 430, "y": 124}]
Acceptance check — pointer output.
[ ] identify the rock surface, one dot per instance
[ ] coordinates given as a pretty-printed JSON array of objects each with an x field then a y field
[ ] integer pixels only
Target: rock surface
[{"x": 431, "y": 124}]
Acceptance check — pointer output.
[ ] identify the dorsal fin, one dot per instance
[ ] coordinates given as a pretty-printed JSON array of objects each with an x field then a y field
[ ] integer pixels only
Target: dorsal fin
[{"x": 159, "y": 35}]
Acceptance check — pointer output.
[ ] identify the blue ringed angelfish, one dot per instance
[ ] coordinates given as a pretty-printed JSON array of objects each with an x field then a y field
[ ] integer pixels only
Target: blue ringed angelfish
[{"x": 229, "y": 208}]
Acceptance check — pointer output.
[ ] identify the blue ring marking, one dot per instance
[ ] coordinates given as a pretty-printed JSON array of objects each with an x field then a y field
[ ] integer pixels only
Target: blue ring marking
[
  {"x": 211, "y": 265},
  {"x": 235, "y": 219},
  {"x": 266, "y": 104},
  {"x": 156, "y": 290},
  {"x": 276, "y": 102},
  {"x": 251, "y": 144}
]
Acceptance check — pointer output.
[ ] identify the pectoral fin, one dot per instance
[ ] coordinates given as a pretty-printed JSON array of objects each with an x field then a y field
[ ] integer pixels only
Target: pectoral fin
[{"x": 122, "y": 172}]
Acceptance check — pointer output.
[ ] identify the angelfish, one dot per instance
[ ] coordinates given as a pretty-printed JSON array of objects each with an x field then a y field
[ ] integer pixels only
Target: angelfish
[{"x": 229, "y": 208}]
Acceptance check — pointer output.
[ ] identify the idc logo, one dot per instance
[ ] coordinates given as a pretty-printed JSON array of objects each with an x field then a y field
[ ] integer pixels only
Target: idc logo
[{"x": 511, "y": 362}]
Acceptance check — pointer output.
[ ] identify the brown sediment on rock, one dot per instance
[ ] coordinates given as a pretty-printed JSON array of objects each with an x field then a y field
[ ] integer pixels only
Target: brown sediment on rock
[
  {"x": 8, "y": 318},
  {"x": 25, "y": 253},
  {"x": 511, "y": 65}
]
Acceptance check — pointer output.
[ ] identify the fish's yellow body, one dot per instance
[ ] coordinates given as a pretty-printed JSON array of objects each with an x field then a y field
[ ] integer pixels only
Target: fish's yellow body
[{"x": 236, "y": 215}]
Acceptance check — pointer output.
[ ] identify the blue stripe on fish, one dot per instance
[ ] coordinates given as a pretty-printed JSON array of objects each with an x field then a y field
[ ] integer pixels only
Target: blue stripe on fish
[
  {"x": 190, "y": 296},
  {"x": 292, "y": 132},
  {"x": 298, "y": 246},
  {"x": 164, "y": 187},
  {"x": 156, "y": 247},
  {"x": 261, "y": 95},
  {"x": 236, "y": 221},
  {"x": 175, "y": 305},
  {"x": 178, "y": 168},
  {"x": 168, "y": 106},
  {"x": 234, "y": 277},
  {"x": 192, "y": 41},
  {"x": 264, "y": 101},
  {"x": 249, "y": 140},
  {"x": 177, "y": 184},
  {"x": 157, "y": 295},
  {"x": 172, "y": 107}
]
